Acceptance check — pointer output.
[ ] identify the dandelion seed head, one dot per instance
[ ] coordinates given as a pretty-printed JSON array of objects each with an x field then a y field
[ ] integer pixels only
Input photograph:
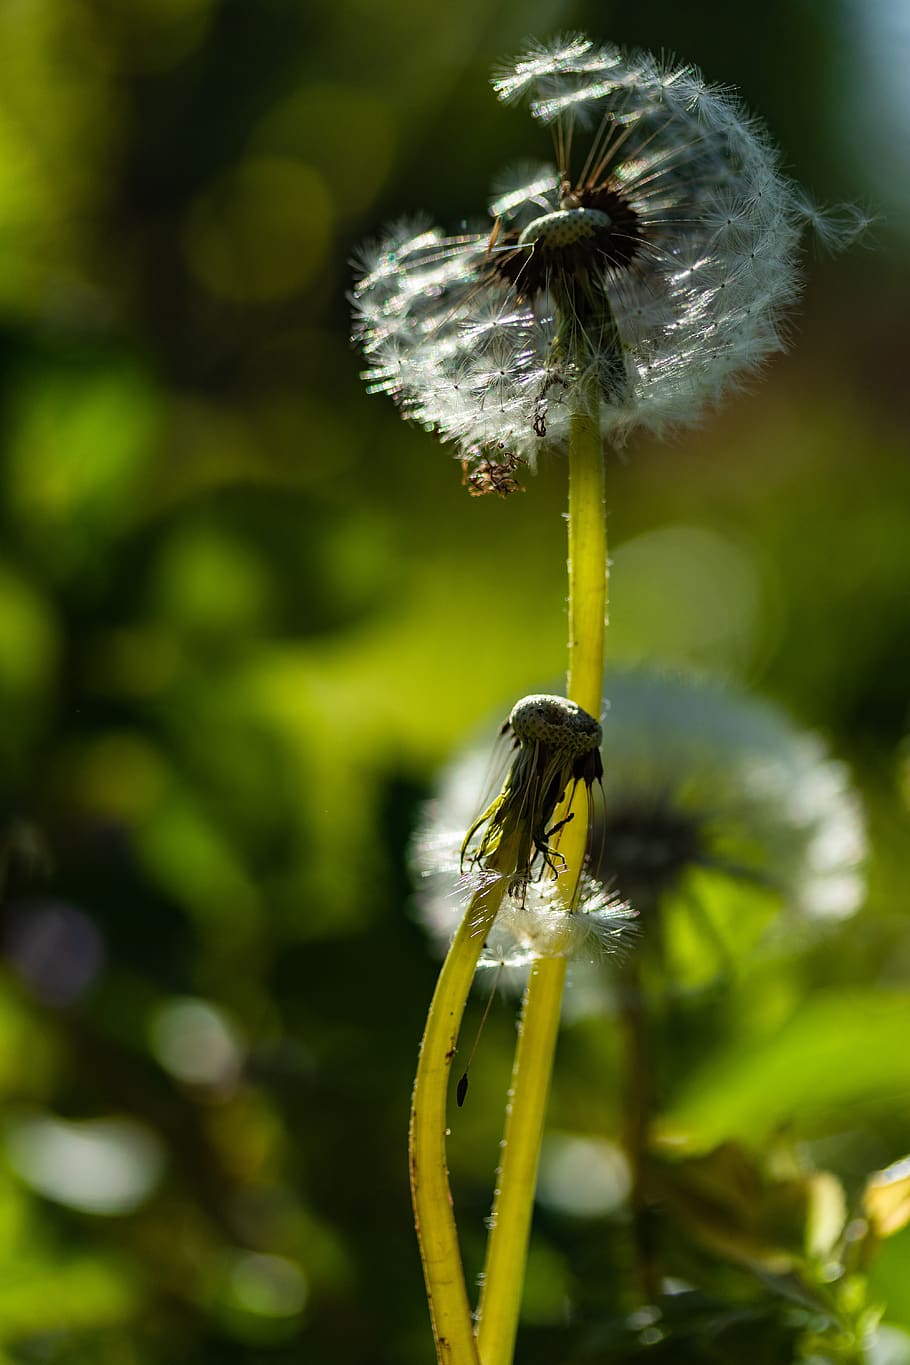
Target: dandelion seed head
[{"x": 647, "y": 272}]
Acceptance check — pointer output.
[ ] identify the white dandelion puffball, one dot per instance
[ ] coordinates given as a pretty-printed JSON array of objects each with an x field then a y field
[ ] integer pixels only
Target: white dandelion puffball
[
  {"x": 641, "y": 276},
  {"x": 695, "y": 777}
]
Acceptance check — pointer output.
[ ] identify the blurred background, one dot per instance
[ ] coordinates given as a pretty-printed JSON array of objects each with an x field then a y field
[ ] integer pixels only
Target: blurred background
[{"x": 246, "y": 614}]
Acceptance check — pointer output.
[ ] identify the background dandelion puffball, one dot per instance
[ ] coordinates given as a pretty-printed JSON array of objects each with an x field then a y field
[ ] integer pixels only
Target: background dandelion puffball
[{"x": 642, "y": 275}]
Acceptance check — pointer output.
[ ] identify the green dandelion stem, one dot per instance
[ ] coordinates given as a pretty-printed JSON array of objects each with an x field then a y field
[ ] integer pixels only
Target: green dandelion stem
[
  {"x": 587, "y": 563},
  {"x": 437, "y": 1235},
  {"x": 507, "y": 1247}
]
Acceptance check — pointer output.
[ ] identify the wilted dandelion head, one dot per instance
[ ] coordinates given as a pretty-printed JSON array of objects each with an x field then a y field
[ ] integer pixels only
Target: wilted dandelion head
[
  {"x": 554, "y": 747},
  {"x": 643, "y": 274},
  {"x": 697, "y": 779}
]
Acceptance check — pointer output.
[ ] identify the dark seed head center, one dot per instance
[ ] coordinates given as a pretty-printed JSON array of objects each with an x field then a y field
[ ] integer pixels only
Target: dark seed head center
[{"x": 594, "y": 229}]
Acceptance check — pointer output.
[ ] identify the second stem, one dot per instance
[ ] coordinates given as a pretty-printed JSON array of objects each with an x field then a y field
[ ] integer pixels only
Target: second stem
[{"x": 507, "y": 1248}]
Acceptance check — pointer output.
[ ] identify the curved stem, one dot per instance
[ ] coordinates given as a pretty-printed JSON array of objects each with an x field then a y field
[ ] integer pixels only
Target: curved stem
[
  {"x": 507, "y": 1247},
  {"x": 450, "y": 1311}
]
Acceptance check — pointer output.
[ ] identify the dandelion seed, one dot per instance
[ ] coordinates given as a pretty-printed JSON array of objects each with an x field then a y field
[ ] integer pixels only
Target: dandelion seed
[{"x": 644, "y": 274}]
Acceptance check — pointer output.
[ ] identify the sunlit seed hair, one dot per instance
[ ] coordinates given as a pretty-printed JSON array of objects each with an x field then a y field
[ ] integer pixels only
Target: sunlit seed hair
[
  {"x": 646, "y": 272},
  {"x": 696, "y": 779}
]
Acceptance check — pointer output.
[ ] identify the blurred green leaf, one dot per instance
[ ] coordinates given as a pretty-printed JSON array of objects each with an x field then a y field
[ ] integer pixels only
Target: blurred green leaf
[
  {"x": 81, "y": 441},
  {"x": 83, "y": 1294},
  {"x": 838, "y": 1052}
]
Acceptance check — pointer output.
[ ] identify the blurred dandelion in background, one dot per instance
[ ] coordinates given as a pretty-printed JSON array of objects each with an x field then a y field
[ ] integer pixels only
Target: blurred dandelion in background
[
  {"x": 698, "y": 776},
  {"x": 644, "y": 274}
]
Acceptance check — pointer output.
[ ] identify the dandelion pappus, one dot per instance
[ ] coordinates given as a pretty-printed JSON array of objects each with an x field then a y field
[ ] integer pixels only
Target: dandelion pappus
[{"x": 649, "y": 267}]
